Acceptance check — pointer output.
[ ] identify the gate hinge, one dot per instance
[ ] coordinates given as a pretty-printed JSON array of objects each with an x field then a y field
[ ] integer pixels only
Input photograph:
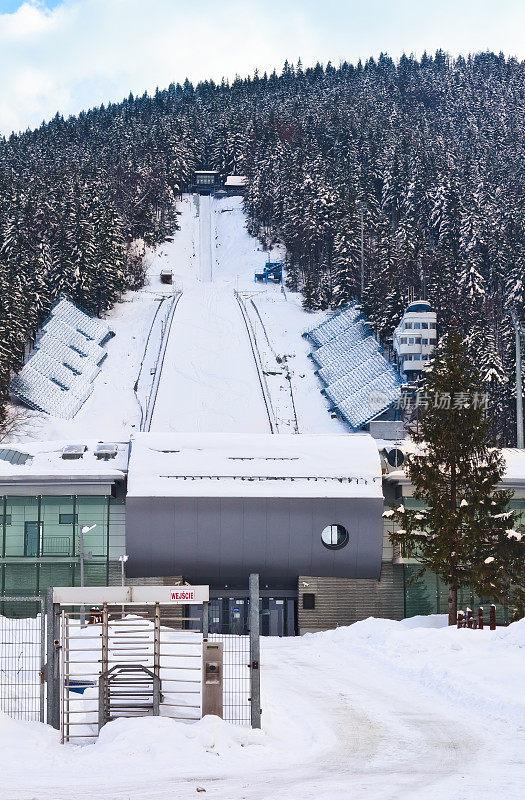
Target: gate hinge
[
  {"x": 42, "y": 675},
  {"x": 255, "y": 665}
]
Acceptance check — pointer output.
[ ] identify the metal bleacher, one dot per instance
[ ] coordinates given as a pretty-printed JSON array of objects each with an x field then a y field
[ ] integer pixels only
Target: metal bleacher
[
  {"x": 360, "y": 383},
  {"x": 58, "y": 376},
  {"x": 348, "y": 361},
  {"x": 334, "y": 325}
]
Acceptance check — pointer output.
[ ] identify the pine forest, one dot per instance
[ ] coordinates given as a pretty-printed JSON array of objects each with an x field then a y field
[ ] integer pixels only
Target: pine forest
[{"x": 429, "y": 154}]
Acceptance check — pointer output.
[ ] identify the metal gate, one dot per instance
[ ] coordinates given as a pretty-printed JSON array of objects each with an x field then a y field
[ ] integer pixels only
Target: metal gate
[
  {"x": 113, "y": 641},
  {"x": 22, "y": 657},
  {"x": 133, "y": 655}
]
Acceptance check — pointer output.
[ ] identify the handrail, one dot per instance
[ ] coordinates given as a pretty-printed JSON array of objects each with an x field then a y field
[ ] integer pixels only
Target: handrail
[
  {"x": 152, "y": 399},
  {"x": 258, "y": 364}
]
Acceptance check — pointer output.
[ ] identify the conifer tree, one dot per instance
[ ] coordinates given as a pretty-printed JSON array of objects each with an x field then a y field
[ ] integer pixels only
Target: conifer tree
[{"x": 465, "y": 532}]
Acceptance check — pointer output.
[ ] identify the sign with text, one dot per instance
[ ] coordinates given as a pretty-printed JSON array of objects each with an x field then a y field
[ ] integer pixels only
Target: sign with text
[
  {"x": 186, "y": 595},
  {"x": 97, "y": 595}
]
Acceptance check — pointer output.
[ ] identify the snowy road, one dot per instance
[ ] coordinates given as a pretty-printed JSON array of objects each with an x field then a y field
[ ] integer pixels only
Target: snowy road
[{"x": 377, "y": 711}]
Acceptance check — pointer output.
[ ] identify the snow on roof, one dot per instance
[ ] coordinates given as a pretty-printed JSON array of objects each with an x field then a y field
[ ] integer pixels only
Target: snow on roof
[
  {"x": 44, "y": 463},
  {"x": 235, "y": 180},
  {"x": 253, "y": 465},
  {"x": 513, "y": 457},
  {"x": 514, "y": 465},
  {"x": 419, "y": 306}
]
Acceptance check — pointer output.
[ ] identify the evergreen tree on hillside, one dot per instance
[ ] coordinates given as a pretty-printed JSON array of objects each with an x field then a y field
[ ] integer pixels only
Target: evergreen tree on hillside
[
  {"x": 434, "y": 147},
  {"x": 465, "y": 532}
]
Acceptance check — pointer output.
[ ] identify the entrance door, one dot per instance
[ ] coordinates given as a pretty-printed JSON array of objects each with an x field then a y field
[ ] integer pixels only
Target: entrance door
[{"x": 31, "y": 539}]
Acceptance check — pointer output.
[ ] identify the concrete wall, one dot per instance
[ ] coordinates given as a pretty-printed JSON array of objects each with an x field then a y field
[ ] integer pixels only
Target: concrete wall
[{"x": 222, "y": 540}]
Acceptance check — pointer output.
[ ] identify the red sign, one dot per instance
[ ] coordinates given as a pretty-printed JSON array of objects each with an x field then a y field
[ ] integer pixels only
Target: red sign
[{"x": 182, "y": 595}]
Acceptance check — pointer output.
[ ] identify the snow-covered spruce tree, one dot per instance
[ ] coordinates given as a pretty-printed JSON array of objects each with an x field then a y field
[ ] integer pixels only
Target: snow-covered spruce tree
[{"x": 465, "y": 531}]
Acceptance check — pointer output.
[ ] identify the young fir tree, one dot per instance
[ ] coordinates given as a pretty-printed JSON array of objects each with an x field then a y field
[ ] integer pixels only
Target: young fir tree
[{"x": 465, "y": 531}]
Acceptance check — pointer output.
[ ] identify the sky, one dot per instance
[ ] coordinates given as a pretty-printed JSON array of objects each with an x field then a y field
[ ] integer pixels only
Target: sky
[{"x": 69, "y": 55}]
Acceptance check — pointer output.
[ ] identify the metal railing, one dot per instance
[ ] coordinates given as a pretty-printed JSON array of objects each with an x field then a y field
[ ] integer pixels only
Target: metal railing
[{"x": 22, "y": 657}]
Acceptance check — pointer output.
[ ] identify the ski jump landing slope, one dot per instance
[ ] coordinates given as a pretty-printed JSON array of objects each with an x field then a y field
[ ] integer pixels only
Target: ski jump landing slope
[{"x": 209, "y": 378}]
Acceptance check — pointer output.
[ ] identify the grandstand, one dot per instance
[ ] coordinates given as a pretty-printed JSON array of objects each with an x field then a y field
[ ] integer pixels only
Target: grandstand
[
  {"x": 359, "y": 382},
  {"x": 58, "y": 376}
]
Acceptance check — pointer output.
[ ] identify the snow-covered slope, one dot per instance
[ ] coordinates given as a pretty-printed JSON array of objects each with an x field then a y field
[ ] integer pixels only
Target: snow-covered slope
[
  {"x": 278, "y": 321},
  {"x": 211, "y": 379},
  {"x": 380, "y": 710}
]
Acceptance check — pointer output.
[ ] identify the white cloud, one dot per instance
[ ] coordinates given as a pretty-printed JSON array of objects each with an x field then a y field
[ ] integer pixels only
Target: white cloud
[{"x": 85, "y": 52}]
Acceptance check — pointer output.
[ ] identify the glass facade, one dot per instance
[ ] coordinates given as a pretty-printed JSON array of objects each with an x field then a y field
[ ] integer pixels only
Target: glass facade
[
  {"x": 428, "y": 594},
  {"x": 206, "y": 179},
  {"x": 39, "y": 541}
]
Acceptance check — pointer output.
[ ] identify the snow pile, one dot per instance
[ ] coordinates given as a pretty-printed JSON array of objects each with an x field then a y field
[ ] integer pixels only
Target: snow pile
[
  {"x": 482, "y": 669},
  {"x": 140, "y": 752}
]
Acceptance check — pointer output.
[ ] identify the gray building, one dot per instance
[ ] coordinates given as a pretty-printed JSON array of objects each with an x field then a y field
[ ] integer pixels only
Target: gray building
[
  {"x": 215, "y": 507},
  {"x": 305, "y": 512}
]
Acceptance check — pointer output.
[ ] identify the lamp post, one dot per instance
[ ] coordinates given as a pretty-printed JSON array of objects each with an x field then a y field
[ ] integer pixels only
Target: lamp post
[
  {"x": 123, "y": 558},
  {"x": 362, "y": 209},
  {"x": 519, "y": 387},
  {"x": 83, "y": 555}
]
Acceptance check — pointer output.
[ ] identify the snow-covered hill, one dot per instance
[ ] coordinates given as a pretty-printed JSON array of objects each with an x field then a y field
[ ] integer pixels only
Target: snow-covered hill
[{"x": 225, "y": 368}]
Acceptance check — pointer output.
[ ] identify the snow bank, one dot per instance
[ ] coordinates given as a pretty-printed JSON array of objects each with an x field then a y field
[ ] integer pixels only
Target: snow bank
[
  {"x": 141, "y": 752},
  {"x": 482, "y": 669}
]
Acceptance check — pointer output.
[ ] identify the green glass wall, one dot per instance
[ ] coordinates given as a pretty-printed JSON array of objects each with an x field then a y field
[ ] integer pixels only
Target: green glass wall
[
  {"x": 39, "y": 542},
  {"x": 428, "y": 594}
]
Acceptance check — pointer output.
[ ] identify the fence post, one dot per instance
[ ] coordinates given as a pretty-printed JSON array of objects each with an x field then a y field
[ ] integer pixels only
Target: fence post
[
  {"x": 461, "y": 617},
  {"x": 42, "y": 659},
  {"x": 205, "y": 619},
  {"x": 492, "y": 617},
  {"x": 255, "y": 653},
  {"x": 53, "y": 661},
  {"x": 480, "y": 618},
  {"x": 102, "y": 701}
]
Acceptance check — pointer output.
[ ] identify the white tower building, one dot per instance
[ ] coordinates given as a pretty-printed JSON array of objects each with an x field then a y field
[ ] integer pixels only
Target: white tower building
[{"x": 415, "y": 338}]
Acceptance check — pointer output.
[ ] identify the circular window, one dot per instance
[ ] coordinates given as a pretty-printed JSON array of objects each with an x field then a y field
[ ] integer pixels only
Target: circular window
[{"x": 334, "y": 537}]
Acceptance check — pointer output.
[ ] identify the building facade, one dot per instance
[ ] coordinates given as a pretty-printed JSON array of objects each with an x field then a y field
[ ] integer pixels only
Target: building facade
[
  {"x": 415, "y": 338},
  {"x": 304, "y": 512},
  {"x": 215, "y": 507},
  {"x": 426, "y": 593},
  {"x": 45, "y": 501}
]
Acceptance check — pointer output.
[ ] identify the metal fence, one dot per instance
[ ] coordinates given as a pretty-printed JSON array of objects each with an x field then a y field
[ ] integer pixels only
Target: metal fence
[
  {"x": 160, "y": 638},
  {"x": 236, "y": 689},
  {"x": 22, "y": 657}
]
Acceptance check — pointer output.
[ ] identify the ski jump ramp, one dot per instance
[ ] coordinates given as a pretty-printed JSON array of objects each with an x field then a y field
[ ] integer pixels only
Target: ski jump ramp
[{"x": 209, "y": 380}]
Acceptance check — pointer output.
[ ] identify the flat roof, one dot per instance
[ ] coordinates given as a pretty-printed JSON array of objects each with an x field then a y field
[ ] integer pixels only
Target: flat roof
[
  {"x": 236, "y": 180},
  {"x": 44, "y": 463},
  {"x": 254, "y": 465}
]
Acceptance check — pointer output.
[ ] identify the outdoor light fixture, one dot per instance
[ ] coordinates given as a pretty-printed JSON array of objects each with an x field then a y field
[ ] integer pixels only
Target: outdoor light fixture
[{"x": 85, "y": 529}]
